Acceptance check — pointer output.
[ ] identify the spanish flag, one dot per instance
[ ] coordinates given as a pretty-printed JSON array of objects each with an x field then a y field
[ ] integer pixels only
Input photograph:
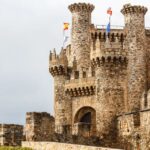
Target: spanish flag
[
  {"x": 66, "y": 26},
  {"x": 109, "y": 11}
]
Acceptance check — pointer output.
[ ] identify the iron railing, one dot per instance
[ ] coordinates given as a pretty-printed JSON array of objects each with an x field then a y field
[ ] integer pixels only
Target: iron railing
[{"x": 114, "y": 27}]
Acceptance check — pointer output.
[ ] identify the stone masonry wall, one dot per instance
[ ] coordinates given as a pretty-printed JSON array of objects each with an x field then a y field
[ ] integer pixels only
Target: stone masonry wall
[
  {"x": 110, "y": 101},
  {"x": 11, "y": 135},
  {"x": 63, "y": 105},
  {"x": 134, "y": 130},
  {"x": 60, "y": 146},
  {"x": 39, "y": 126}
]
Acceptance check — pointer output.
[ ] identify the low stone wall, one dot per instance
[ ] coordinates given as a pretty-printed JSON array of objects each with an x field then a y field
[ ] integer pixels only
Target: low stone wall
[
  {"x": 39, "y": 126},
  {"x": 11, "y": 134},
  {"x": 60, "y": 146}
]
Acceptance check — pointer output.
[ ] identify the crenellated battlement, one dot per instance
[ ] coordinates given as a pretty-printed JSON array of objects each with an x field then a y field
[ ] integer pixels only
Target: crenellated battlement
[
  {"x": 83, "y": 86},
  {"x": 129, "y": 9},
  {"x": 76, "y": 7},
  {"x": 82, "y": 73},
  {"x": 57, "y": 70},
  {"x": 101, "y": 35},
  {"x": 81, "y": 91},
  {"x": 60, "y": 59},
  {"x": 107, "y": 45},
  {"x": 80, "y": 82},
  {"x": 111, "y": 62},
  {"x": 58, "y": 63},
  {"x": 53, "y": 58}
]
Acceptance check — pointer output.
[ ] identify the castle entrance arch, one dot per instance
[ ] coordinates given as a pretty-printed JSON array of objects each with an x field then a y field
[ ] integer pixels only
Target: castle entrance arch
[{"x": 85, "y": 121}]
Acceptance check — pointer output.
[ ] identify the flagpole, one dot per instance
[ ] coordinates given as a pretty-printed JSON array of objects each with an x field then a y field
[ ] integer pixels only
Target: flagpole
[
  {"x": 66, "y": 26},
  {"x": 63, "y": 37},
  {"x": 110, "y": 19},
  {"x": 110, "y": 25},
  {"x": 109, "y": 11}
]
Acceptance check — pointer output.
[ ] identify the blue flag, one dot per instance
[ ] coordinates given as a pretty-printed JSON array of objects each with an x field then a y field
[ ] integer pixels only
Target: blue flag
[{"x": 108, "y": 28}]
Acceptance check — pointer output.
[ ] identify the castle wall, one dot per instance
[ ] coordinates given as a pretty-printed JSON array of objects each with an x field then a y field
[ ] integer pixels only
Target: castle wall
[
  {"x": 39, "y": 126},
  {"x": 60, "y": 146},
  {"x": 134, "y": 130},
  {"x": 11, "y": 135},
  {"x": 110, "y": 101},
  {"x": 63, "y": 108},
  {"x": 59, "y": 105}
]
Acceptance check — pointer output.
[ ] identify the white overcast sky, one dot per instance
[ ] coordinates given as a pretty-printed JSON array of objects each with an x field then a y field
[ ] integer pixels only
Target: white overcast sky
[{"x": 29, "y": 29}]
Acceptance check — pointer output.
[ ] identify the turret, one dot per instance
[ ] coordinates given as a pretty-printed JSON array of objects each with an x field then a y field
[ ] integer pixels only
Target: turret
[
  {"x": 110, "y": 61},
  {"x": 58, "y": 63},
  {"x": 80, "y": 37},
  {"x": 135, "y": 44},
  {"x": 58, "y": 69},
  {"x": 110, "y": 96}
]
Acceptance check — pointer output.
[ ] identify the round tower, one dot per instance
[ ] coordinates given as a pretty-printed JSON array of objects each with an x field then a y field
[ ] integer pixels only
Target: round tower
[
  {"x": 135, "y": 40},
  {"x": 110, "y": 70},
  {"x": 62, "y": 103},
  {"x": 80, "y": 37}
]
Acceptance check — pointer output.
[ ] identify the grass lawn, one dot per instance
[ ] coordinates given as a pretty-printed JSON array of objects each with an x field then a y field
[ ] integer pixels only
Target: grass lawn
[{"x": 13, "y": 148}]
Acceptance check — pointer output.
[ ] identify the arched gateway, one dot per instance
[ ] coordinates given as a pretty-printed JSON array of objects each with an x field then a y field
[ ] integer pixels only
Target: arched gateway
[{"x": 85, "y": 121}]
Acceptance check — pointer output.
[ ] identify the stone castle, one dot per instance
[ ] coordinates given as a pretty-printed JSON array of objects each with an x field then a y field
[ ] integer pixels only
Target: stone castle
[
  {"x": 101, "y": 86},
  {"x": 102, "y": 81}
]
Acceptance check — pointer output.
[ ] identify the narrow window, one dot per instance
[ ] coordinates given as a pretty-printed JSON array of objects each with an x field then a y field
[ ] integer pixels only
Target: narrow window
[
  {"x": 76, "y": 74},
  {"x": 84, "y": 74},
  {"x": 136, "y": 119},
  {"x": 145, "y": 100}
]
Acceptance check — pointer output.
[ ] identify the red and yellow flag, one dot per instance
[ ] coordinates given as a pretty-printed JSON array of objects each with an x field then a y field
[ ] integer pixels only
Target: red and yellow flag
[
  {"x": 109, "y": 11},
  {"x": 66, "y": 26}
]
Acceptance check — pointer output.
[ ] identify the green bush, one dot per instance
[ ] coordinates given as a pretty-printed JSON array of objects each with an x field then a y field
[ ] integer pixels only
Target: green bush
[{"x": 13, "y": 148}]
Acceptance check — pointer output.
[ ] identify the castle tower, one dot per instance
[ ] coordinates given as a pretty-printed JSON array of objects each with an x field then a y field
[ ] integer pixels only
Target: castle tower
[
  {"x": 109, "y": 93},
  {"x": 80, "y": 42},
  {"x": 135, "y": 39},
  {"x": 62, "y": 103}
]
